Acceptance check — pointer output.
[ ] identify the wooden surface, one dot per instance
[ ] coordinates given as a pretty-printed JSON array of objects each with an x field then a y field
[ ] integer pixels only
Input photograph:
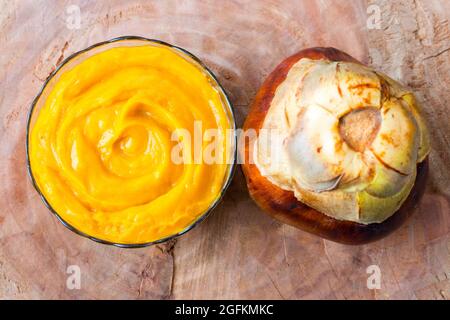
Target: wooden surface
[{"x": 238, "y": 252}]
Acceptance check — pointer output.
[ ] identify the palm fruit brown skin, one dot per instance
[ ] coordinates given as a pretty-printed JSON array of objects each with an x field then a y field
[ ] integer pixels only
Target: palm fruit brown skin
[{"x": 282, "y": 204}]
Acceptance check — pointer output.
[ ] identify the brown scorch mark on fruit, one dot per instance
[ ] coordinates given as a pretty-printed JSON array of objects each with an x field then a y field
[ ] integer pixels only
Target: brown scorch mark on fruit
[
  {"x": 388, "y": 139},
  {"x": 359, "y": 127},
  {"x": 362, "y": 86}
]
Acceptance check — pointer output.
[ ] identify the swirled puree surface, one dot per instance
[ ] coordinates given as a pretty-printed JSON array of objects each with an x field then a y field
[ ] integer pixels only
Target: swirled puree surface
[
  {"x": 344, "y": 138},
  {"x": 100, "y": 149}
]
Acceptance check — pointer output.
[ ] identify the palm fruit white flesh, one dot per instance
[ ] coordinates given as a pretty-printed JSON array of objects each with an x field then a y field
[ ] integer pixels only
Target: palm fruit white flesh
[{"x": 344, "y": 138}]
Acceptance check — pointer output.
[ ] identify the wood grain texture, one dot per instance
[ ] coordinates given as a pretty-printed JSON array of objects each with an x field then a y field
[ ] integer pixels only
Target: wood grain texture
[{"x": 238, "y": 252}]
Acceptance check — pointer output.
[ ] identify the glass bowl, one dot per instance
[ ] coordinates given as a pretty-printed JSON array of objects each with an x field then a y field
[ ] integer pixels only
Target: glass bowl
[{"x": 80, "y": 56}]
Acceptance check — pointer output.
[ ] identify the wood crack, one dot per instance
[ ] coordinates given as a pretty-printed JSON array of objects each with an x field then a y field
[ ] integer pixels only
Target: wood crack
[{"x": 437, "y": 54}]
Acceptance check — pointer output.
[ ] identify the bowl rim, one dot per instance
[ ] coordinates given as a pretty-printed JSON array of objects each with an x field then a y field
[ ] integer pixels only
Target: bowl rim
[{"x": 232, "y": 165}]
